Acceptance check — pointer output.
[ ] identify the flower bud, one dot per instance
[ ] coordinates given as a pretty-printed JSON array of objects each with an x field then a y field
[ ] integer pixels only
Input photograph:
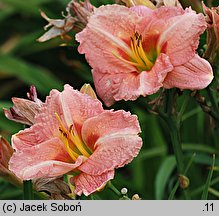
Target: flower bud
[
  {"x": 87, "y": 89},
  {"x": 184, "y": 181},
  {"x": 76, "y": 20},
  {"x": 59, "y": 27},
  {"x": 212, "y": 19},
  {"x": 81, "y": 10},
  {"x": 6, "y": 152},
  {"x": 152, "y": 3},
  {"x": 131, "y": 3},
  {"x": 24, "y": 110},
  {"x": 56, "y": 187},
  {"x": 124, "y": 191},
  {"x": 168, "y": 3},
  {"x": 32, "y": 95},
  {"x": 136, "y": 197}
]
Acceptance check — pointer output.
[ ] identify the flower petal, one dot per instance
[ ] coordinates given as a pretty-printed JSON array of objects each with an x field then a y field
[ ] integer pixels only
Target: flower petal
[
  {"x": 182, "y": 36},
  {"x": 114, "y": 138},
  {"x": 154, "y": 21},
  {"x": 196, "y": 74},
  {"x": 106, "y": 31},
  {"x": 146, "y": 83},
  {"x": 48, "y": 159},
  {"x": 165, "y": 13},
  {"x": 78, "y": 107},
  {"x": 109, "y": 122},
  {"x": 141, "y": 10},
  {"x": 104, "y": 86},
  {"x": 112, "y": 151},
  {"x": 88, "y": 184},
  {"x": 115, "y": 87}
]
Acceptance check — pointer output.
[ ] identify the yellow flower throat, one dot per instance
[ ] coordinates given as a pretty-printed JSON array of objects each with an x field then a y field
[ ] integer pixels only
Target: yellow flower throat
[
  {"x": 72, "y": 141},
  {"x": 137, "y": 55}
]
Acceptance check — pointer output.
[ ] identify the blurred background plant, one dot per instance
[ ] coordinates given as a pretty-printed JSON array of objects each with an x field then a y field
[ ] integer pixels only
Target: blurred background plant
[{"x": 152, "y": 175}]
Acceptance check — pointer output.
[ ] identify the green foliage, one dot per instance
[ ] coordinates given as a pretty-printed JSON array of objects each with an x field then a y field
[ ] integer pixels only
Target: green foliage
[
  {"x": 208, "y": 182},
  {"x": 163, "y": 176},
  {"x": 28, "y": 73}
]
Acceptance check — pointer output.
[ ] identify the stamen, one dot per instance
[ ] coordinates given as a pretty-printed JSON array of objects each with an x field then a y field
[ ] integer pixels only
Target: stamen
[
  {"x": 135, "y": 53},
  {"x": 78, "y": 143},
  {"x": 62, "y": 127},
  {"x": 138, "y": 57},
  {"x": 73, "y": 143},
  {"x": 143, "y": 55},
  {"x": 124, "y": 60},
  {"x": 72, "y": 154}
]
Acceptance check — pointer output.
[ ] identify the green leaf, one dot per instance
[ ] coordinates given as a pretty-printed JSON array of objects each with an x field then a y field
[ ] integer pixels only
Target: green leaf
[
  {"x": 208, "y": 182},
  {"x": 191, "y": 113},
  {"x": 201, "y": 188},
  {"x": 9, "y": 191},
  {"x": 29, "y": 73},
  {"x": 205, "y": 159},
  {"x": 214, "y": 192},
  {"x": 163, "y": 176},
  {"x": 98, "y": 3},
  {"x": 13, "y": 194},
  {"x": 30, "y": 7},
  {"x": 5, "y": 104},
  {"x": 28, "y": 44},
  {"x": 5, "y": 13},
  {"x": 195, "y": 147},
  {"x": 8, "y": 127},
  {"x": 150, "y": 153},
  {"x": 95, "y": 197}
]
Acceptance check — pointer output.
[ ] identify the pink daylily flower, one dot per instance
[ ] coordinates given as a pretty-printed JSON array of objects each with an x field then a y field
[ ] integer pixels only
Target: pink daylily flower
[
  {"x": 136, "y": 51},
  {"x": 73, "y": 134}
]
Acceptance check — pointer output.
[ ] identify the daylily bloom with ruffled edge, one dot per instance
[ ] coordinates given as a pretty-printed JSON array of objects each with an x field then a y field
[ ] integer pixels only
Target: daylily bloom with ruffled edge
[
  {"x": 136, "y": 51},
  {"x": 73, "y": 134}
]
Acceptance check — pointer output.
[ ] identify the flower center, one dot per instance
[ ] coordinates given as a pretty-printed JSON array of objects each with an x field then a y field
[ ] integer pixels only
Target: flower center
[
  {"x": 72, "y": 141},
  {"x": 137, "y": 56}
]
